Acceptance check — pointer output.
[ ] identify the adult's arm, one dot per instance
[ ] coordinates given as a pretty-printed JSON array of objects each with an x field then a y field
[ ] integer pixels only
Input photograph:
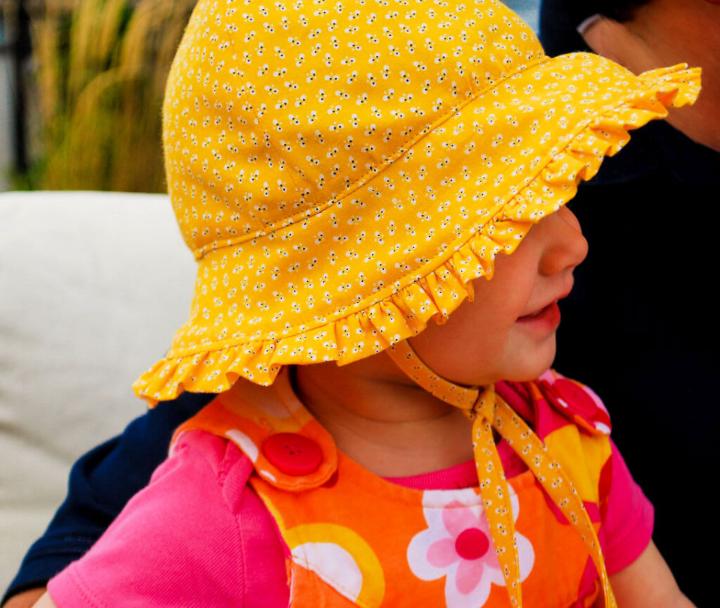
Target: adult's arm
[
  {"x": 26, "y": 599},
  {"x": 100, "y": 484}
]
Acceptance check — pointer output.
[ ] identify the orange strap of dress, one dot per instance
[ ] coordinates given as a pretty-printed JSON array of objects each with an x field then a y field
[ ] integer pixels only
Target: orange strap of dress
[{"x": 488, "y": 410}]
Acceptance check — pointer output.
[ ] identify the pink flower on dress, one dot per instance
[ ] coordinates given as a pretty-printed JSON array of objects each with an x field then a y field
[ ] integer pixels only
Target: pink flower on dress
[{"x": 457, "y": 545}]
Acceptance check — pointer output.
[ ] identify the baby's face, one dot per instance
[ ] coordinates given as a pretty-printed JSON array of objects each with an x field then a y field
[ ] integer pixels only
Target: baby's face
[{"x": 492, "y": 337}]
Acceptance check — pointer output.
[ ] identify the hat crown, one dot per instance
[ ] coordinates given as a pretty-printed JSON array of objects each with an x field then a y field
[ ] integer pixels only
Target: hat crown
[{"x": 273, "y": 112}]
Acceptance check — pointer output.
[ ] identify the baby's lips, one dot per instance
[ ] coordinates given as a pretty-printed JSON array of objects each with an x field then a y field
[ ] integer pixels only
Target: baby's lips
[{"x": 562, "y": 296}]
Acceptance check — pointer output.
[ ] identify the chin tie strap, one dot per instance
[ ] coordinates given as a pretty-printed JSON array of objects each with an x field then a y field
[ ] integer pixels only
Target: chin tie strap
[{"x": 488, "y": 410}]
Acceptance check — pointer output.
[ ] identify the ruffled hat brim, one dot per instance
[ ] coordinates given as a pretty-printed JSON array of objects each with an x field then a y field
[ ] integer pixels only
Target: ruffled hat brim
[{"x": 487, "y": 184}]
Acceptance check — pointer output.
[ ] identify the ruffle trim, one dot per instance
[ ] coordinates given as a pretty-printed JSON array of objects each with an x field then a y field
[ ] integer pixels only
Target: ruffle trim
[{"x": 436, "y": 295}]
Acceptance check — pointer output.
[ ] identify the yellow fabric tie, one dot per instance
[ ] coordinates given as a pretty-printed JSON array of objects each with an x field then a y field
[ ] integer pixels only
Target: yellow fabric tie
[{"x": 488, "y": 410}]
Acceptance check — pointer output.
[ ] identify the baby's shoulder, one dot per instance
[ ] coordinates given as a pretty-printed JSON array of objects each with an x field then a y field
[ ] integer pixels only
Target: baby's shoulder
[
  {"x": 552, "y": 400},
  {"x": 216, "y": 459},
  {"x": 217, "y": 452},
  {"x": 228, "y": 469},
  {"x": 196, "y": 507}
]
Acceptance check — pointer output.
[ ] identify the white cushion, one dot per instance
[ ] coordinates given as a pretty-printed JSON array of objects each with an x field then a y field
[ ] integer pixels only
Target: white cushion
[{"x": 93, "y": 286}]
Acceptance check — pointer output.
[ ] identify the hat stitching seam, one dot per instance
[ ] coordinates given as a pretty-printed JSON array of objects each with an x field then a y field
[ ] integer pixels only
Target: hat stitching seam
[
  {"x": 370, "y": 174},
  {"x": 420, "y": 274}
]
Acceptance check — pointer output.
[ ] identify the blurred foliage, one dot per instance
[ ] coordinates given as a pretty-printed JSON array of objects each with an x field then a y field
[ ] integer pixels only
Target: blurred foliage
[{"x": 99, "y": 69}]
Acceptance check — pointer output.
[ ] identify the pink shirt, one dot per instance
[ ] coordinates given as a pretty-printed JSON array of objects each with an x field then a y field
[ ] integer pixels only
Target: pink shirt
[{"x": 198, "y": 535}]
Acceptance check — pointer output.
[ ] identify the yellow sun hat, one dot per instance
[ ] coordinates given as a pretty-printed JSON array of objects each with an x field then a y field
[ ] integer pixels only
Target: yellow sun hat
[{"x": 343, "y": 171}]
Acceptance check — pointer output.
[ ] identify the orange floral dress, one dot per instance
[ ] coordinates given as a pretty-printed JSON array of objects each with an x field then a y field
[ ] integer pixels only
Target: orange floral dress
[{"x": 356, "y": 539}]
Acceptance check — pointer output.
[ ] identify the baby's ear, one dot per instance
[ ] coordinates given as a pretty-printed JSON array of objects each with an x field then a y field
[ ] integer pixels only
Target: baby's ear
[{"x": 576, "y": 401}]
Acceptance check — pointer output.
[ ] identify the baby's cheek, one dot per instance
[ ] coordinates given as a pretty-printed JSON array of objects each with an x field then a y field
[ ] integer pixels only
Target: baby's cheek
[{"x": 483, "y": 348}]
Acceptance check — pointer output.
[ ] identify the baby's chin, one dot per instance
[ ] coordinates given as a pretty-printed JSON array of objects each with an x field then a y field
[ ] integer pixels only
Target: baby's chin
[
  {"x": 530, "y": 364},
  {"x": 518, "y": 360},
  {"x": 526, "y": 372}
]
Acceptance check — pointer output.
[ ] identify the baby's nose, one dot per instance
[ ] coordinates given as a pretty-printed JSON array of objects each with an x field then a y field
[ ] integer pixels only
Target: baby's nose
[{"x": 566, "y": 246}]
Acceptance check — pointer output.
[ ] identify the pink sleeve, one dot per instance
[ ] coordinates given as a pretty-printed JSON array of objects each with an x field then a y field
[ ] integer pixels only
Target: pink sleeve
[
  {"x": 628, "y": 520},
  {"x": 196, "y": 535}
]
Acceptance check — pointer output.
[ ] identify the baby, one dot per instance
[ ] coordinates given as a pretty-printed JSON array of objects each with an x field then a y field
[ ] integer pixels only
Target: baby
[{"x": 344, "y": 175}]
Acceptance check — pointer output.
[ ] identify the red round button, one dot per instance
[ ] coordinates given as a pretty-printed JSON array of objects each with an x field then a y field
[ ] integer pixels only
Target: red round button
[{"x": 292, "y": 454}]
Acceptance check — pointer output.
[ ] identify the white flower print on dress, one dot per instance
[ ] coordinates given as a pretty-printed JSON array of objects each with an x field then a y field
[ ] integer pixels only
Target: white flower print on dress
[{"x": 457, "y": 545}]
